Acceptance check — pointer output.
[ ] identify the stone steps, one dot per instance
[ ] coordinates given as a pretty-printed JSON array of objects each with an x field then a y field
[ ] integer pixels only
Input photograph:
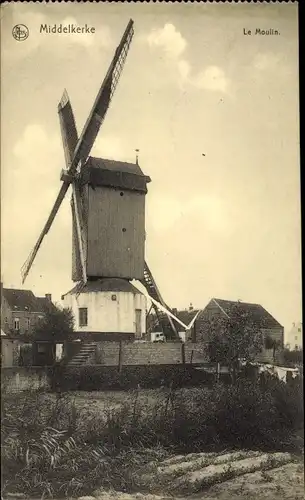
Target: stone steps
[{"x": 86, "y": 351}]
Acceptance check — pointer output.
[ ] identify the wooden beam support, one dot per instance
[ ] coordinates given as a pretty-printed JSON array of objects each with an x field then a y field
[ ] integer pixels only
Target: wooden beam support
[
  {"x": 79, "y": 229},
  {"x": 66, "y": 177},
  {"x": 120, "y": 357}
]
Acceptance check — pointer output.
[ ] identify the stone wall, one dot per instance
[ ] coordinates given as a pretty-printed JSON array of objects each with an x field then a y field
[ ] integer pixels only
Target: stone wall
[
  {"x": 17, "y": 379},
  {"x": 135, "y": 354}
]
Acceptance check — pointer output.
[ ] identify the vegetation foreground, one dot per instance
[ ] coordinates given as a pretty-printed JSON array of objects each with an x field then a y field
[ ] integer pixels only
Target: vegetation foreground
[{"x": 61, "y": 446}]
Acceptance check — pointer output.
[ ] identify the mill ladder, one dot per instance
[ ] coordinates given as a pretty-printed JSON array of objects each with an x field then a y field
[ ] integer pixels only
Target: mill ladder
[{"x": 165, "y": 321}]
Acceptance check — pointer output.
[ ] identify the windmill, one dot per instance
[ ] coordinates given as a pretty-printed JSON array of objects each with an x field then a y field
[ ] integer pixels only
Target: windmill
[{"x": 108, "y": 223}]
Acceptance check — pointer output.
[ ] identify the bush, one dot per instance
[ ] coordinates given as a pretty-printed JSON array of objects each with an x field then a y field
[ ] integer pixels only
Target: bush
[
  {"x": 293, "y": 357},
  {"x": 96, "y": 377},
  {"x": 52, "y": 448}
]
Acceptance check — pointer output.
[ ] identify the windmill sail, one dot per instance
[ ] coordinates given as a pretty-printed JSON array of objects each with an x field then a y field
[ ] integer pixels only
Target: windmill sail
[
  {"x": 68, "y": 128},
  {"x": 89, "y": 133},
  {"x": 102, "y": 100},
  {"x": 70, "y": 138}
]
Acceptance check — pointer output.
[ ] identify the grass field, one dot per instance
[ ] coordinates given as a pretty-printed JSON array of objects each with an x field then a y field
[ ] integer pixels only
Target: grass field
[{"x": 83, "y": 443}]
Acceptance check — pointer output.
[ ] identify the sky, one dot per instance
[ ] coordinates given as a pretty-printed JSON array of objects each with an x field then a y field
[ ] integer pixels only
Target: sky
[{"x": 224, "y": 225}]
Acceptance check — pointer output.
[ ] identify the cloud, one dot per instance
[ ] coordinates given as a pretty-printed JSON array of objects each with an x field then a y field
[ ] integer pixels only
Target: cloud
[
  {"x": 168, "y": 39},
  {"x": 171, "y": 42},
  {"x": 172, "y": 45},
  {"x": 212, "y": 78},
  {"x": 184, "y": 69},
  {"x": 110, "y": 147}
]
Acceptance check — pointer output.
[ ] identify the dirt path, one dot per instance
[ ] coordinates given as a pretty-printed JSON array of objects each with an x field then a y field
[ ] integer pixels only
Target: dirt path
[
  {"x": 211, "y": 476},
  {"x": 227, "y": 476}
]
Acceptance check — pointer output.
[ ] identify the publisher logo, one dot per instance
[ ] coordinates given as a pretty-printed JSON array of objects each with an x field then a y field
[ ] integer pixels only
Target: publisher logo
[{"x": 20, "y": 32}]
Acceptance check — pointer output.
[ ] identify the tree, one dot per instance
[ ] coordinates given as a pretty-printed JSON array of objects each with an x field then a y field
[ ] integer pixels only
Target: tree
[
  {"x": 233, "y": 338},
  {"x": 57, "y": 324}
]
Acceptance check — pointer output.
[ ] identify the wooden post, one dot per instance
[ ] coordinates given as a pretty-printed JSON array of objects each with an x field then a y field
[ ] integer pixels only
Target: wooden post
[
  {"x": 183, "y": 353},
  {"x": 191, "y": 360},
  {"x": 120, "y": 357},
  {"x": 218, "y": 372}
]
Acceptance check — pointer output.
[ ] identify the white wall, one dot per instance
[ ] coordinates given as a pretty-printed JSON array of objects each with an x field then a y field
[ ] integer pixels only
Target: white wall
[
  {"x": 105, "y": 314},
  {"x": 294, "y": 336},
  {"x": 182, "y": 335}
]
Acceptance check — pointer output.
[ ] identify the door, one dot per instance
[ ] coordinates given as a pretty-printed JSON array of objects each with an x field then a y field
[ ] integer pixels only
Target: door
[{"x": 138, "y": 323}]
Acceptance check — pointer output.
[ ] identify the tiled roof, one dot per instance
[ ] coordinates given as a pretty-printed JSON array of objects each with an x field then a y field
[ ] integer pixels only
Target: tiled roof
[
  {"x": 114, "y": 165},
  {"x": 43, "y": 303},
  {"x": 24, "y": 300},
  {"x": 255, "y": 312},
  {"x": 186, "y": 316},
  {"x": 114, "y": 174},
  {"x": 105, "y": 285}
]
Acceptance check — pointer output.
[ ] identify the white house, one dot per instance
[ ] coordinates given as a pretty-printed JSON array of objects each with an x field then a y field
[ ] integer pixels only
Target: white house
[{"x": 294, "y": 336}]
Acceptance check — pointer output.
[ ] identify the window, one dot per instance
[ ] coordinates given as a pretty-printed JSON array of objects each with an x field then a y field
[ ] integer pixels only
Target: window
[
  {"x": 28, "y": 323},
  {"x": 17, "y": 324},
  {"x": 296, "y": 337},
  {"x": 299, "y": 330},
  {"x": 83, "y": 316}
]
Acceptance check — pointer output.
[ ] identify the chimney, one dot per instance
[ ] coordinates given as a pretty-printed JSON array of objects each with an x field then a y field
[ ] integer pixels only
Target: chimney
[
  {"x": 191, "y": 307},
  {"x": 49, "y": 297},
  {"x": 175, "y": 311}
]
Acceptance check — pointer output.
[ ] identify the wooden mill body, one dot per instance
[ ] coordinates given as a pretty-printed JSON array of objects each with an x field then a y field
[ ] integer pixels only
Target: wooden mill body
[{"x": 113, "y": 213}]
